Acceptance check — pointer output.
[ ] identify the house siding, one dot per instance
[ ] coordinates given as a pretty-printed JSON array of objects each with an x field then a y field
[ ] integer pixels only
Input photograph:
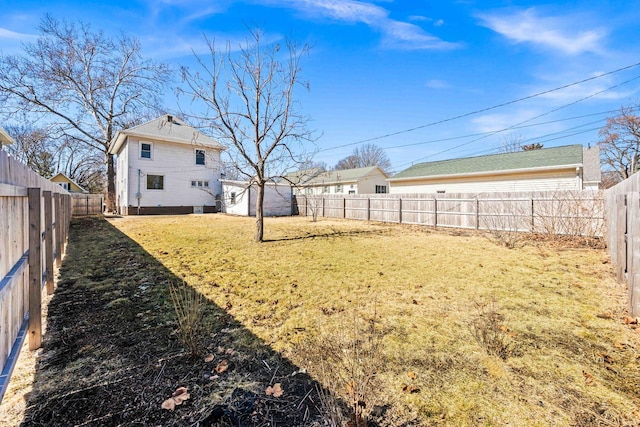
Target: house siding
[
  {"x": 176, "y": 163},
  {"x": 542, "y": 181}
]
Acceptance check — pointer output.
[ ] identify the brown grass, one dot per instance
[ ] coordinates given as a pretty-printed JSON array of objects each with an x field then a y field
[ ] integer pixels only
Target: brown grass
[{"x": 572, "y": 362}]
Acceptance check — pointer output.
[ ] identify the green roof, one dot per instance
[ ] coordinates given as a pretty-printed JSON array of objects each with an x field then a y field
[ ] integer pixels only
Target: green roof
[{"x": 546, "y": 157}]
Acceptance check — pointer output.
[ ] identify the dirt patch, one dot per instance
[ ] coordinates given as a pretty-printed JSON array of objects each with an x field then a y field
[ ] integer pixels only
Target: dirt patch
[{"x": 111, "y": 355}]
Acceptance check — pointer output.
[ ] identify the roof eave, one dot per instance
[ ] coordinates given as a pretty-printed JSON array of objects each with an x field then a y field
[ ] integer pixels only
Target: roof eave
[{"x": 487, "y": 173}]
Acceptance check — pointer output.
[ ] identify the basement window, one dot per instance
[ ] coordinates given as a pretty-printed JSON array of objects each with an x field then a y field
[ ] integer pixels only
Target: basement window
[{"x": 233, "y": 198}]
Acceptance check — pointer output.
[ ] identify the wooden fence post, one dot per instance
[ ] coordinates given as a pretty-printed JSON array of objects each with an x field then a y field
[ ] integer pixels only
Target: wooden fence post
[
  {"x": 368, "y": 209},
  {"x": 435, "y": 212},
  {"x": 400, "y": 210},
  {"x": 58, "y": 222},
  {"x": 35, "y": 270},
  {"x": 48, "y": 240},
  {"x": 633, "y": 252},
  {"x": 344, "y": 207},
  {"x": 621, "y": 231}
]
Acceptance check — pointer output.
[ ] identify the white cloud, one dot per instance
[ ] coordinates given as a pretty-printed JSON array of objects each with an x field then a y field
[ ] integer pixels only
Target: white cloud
[
  {"x": 396, "y": 34},
  {"x": 12, "y": 35},
  {"x": 528, "y": 26},
  {"x": 498, "y": 122},
  {"x": 437, "y": 84}
]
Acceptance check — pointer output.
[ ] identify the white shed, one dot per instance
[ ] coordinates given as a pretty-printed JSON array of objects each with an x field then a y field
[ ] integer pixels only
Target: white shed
[{"x": 239, "y": 198}]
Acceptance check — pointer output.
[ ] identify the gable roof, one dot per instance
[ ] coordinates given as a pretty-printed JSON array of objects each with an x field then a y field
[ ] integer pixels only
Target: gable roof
[
  {"x": 343, "y": 176},
  {"x": 569, "y": 155},
  {"x": 66, "y": 178},
  {"x": 165, "y": 128},
  {"x": 301, "y": 176}
]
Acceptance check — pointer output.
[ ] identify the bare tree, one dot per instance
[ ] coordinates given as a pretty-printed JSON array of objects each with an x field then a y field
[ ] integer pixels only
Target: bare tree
[
  {"x": 532, "y": 146},
  {"x": 620, "y": 143},
  {"x": 85, "y": 84},
  {"x": 33, "y": 148},
  {"x": 364, "y": 156},
  {"x": 510, "y": 143},
  {"x": 249, "y": 105}
]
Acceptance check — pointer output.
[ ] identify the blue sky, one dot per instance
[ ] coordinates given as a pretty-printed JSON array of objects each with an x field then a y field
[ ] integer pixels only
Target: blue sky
[{"x": 381, "y": 68}]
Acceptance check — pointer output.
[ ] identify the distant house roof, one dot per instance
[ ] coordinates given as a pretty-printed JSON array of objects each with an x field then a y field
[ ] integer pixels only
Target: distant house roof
[
  {"x": 301, "y": 176},
  {"x": 343, "y": 176},
  {"x": 165, "y": 128},
  {"x": 5, "y": 138},
  {"x": 60, "y": 177},
  {"x": 569, "y": 155}
]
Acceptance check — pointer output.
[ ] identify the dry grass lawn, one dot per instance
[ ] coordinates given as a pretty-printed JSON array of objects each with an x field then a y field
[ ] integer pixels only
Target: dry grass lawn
[{"x": 568, "y": 357}]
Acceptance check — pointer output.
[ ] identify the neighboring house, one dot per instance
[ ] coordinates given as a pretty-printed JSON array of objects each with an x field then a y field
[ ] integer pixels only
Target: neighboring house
[
  {"x": 571, "y": 167},
  {"x": 165, "y": 166},
  {"x": 367, "y": 180},
  {"x": 5, "y": 138},
  {"x": 67, "y": 183},
  {"x": 297, "y": 178},
  {"x": 239, "y": 198}
]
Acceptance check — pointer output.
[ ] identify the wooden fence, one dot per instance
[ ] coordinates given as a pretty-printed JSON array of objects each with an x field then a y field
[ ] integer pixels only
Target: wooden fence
[
  {"x": 87, "y": 204},
  {"x": 623, "y": 236},
  {"x": 34, "y": 220},
  {"x": 566, "y": 212}
]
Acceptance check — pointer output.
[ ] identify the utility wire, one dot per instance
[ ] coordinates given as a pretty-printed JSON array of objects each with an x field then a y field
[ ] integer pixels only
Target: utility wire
[
  {"x": 482, "y": 110},
  {"x": 526, "y": 121}
]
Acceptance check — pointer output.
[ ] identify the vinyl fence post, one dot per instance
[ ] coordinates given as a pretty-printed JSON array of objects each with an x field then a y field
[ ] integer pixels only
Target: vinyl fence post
[
  {"x": 435, "y": 212},
  {"x": 477, "y": 213},
  {"x": 35, "y": 270},
  {"x": 533, "y": 218},
  {"x": 368, "y": 209},
  {"x": 400, "y": 210},
  {"x": 344, "y": 206}
]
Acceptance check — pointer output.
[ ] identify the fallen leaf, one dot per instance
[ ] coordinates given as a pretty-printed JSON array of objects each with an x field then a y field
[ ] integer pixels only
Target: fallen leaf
[
  {"x": 222, "y": 366},
  {"x": 605, "y": 315},
  {"x": 416, "y": 302},
  {"x": 275, "y": 391},
  {"x": 618, "y": 345},
  {"x": 411, "y": 375},
  {"x": 230, "y": 352},
  {"x": 628, "y": 320},
  {"x": 180, "y": 395},
  {"x": 169, "y": 404},
  {"x": 214, "y": 377},
  {"x": 208, "y": 358},
  {"x": 588, "y": 378},
  {"x": 350, "y": 387},
  {"x": 410, "y": 389}
]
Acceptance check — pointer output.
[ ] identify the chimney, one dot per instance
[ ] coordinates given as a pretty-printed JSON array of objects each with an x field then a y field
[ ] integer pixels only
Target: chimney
[{"x": 169, "y": 118}]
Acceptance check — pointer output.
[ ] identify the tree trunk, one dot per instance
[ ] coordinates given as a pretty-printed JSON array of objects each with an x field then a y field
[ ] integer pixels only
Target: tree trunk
[
  {"x": 259, "y": 214},
  {"x": 111, "y": 184}
]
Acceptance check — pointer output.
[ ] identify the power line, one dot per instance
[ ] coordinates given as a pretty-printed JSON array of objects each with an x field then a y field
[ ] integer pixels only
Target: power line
[
  {"x": 526, "y": 121},
  {"x": 484, "y": 109}
]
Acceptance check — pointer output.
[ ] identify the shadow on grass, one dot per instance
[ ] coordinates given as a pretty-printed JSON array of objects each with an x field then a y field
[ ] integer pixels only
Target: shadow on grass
[
  {"x": 332, "y": 234},
  {"x": 111, "y": 355}
]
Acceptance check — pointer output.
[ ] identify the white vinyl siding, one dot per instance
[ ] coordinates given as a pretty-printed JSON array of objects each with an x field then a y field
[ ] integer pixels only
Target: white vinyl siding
[
  {"x": 543, "y": 181},
  {"x": 176, "y": 163}
]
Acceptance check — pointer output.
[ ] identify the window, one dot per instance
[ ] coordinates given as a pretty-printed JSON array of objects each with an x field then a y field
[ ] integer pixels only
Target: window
[
  {"x": 352, "y": 191},
  {"x": 440, "y": 191},
  {"x": 233, "y": 198},
  {"x": 155, "y": 182},
  {"x": 381, "y": 189},
  {"x": 199, "y": 157},
  {"x": 325, "y": 189},
  {"x": 200, "y": 184},
  {"x": 64, "y": 185},
  {"x": 145, "y": 150},
  {"x": 339, "y": 188}
]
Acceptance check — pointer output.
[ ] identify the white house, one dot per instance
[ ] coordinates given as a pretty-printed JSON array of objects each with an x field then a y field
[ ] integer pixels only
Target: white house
[
  {"x": 239, "y": 198},
  {"x": 369, "y": 180},
  {"x": 165, "y": 166},
  {"x": 571, "y": 167}
]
